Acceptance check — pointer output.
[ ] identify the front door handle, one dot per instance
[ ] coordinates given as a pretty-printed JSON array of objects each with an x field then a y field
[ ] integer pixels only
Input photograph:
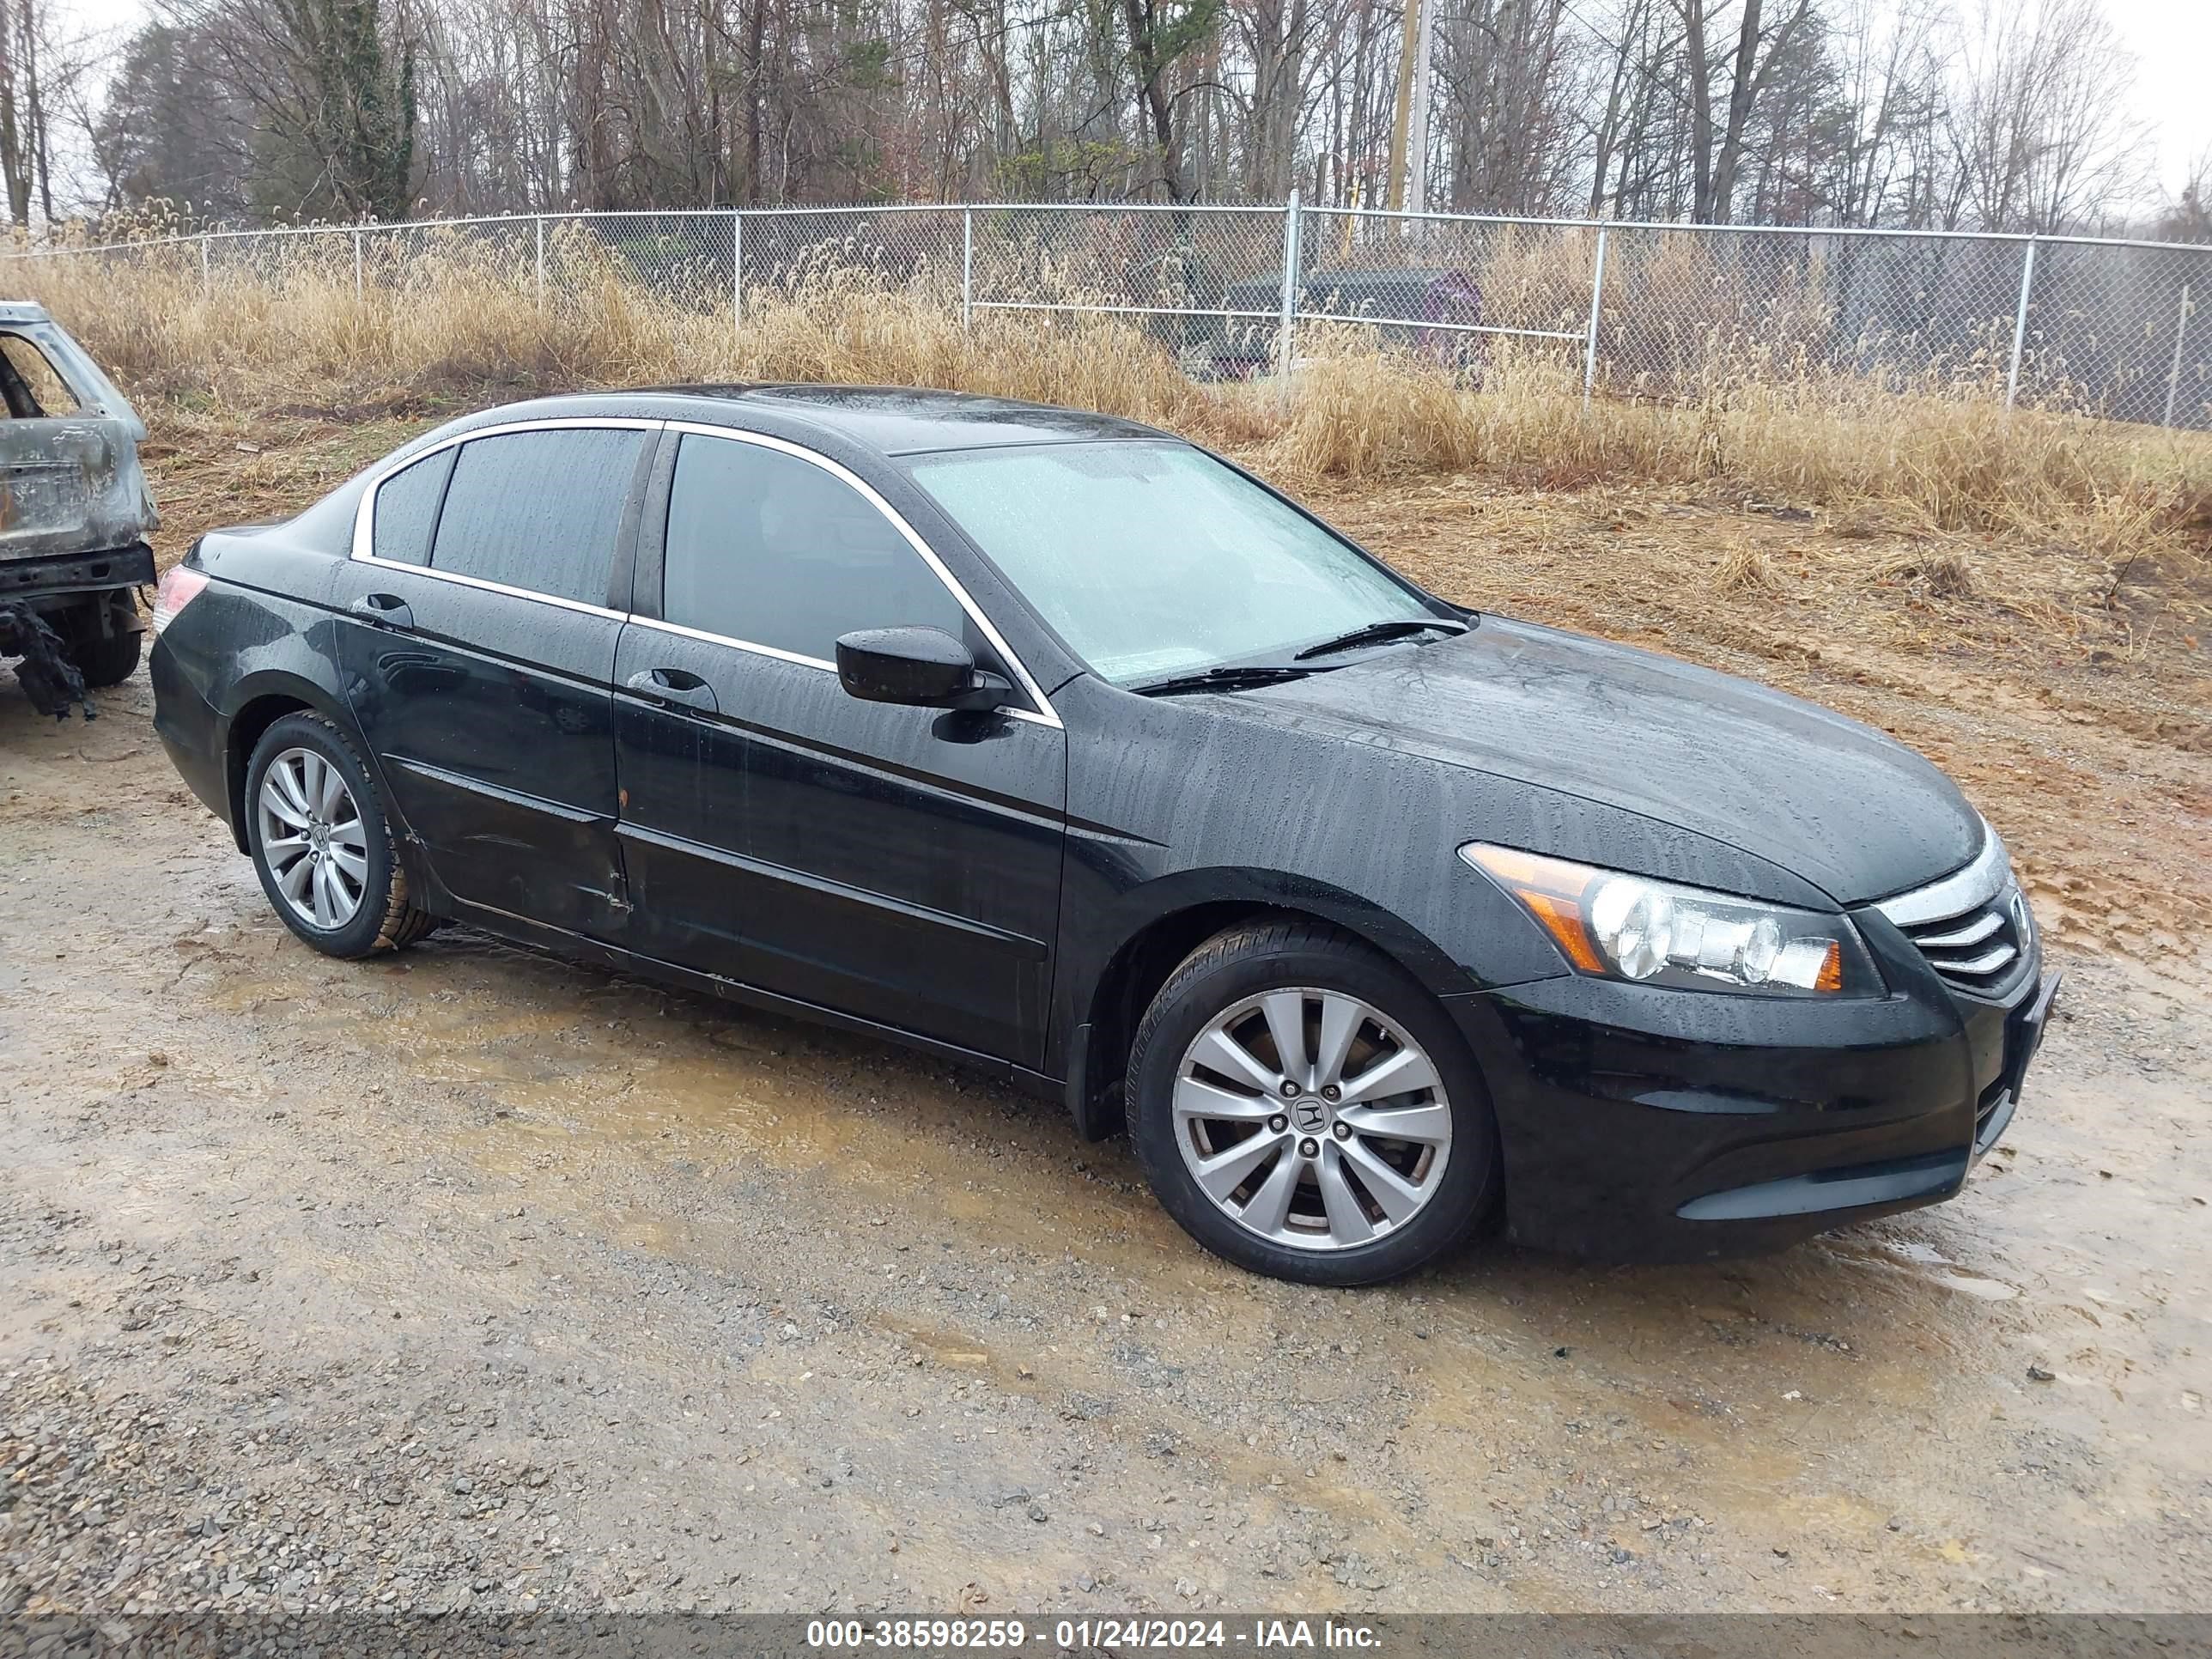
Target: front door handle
[
  {"x": 676, "y": 685},
  {"x": 385, "y": 610}
]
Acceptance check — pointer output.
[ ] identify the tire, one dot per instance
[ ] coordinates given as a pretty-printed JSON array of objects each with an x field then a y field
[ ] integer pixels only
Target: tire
[
  {"x": 104, "y": 660},
  {"x": 1442, "y": 1187},
  {"x": 358, "y": 847}
]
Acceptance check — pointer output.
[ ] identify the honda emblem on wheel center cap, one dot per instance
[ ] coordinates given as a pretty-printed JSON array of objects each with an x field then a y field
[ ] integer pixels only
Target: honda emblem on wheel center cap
[{"x": 1309, "y": 1116}]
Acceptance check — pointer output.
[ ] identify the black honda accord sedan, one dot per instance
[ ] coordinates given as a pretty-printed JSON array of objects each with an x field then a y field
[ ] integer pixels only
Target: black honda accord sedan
[{"x": 1056, "y": 745}]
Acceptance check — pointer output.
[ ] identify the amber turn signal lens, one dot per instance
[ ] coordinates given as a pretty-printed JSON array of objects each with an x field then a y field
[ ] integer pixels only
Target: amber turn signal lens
[
  {"x": 1831, "y": 976},
  {"x": 1552, "y": 891}
]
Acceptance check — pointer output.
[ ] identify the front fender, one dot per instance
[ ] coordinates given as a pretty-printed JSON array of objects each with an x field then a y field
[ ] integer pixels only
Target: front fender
[
  {"x": 1130, "y": 914},
  {"x": 1117, "y": 945}
]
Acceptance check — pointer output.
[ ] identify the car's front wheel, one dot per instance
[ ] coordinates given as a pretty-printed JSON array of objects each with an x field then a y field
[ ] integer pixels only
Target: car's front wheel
[
  {"x": 1305, "y": 1109},
  {"x": 321, "y": 843}
]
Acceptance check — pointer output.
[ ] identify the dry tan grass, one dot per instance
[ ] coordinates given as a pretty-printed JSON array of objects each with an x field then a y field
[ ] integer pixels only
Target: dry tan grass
[
  {"x": 1744, "y": 569},
  {"x": 450, "y": 323},
  {"x": 1944, "y": 574},
  {"x": 1951, "y": 462}
]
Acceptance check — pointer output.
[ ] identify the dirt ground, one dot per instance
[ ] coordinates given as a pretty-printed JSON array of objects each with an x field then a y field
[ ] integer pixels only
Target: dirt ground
[{"x": 471, "y": 1278}]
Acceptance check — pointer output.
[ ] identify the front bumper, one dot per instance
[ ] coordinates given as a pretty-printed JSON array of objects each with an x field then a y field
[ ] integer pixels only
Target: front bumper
[{"x": 1647, "y": 1124}]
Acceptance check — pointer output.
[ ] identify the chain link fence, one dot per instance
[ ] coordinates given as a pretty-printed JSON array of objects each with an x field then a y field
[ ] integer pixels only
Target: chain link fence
[{"x": 1674, "y": 312}]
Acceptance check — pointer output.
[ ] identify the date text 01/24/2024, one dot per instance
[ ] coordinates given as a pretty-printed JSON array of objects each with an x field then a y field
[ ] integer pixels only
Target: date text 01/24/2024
[{"x": 1259, "y": 1635}]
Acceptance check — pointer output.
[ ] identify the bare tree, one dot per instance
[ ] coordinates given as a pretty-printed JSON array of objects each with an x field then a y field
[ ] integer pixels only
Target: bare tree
[
  {"x": 1889, "y": 100},
  {"x": 2038, "y": 129},
  {"x": 26, "y": 151},
  {"x": 1724, "y": 83},
  {"x": 1837, "y": 111},
  {"x": 167, "y": 129},
  {"x": 331, "y": 88},
  {"x": 2188, "y": 214},
  {"x": 1507, "y": 111},
  {"x": 1273, "y": 35}
]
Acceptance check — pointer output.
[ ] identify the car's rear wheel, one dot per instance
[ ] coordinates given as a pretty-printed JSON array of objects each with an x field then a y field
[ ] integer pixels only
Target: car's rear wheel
[
  {"x": 103, "y": 658},
  {"x": 1305, "y": 1109},
  {"x": 322, "y": 844}
]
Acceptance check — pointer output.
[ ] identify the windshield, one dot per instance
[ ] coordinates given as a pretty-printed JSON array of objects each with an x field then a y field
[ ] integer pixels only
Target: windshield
[{"x": 1154, "y": 559}]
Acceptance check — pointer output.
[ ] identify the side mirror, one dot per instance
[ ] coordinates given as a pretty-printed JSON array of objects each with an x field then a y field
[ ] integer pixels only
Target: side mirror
[{"x": 925, "y": 667}]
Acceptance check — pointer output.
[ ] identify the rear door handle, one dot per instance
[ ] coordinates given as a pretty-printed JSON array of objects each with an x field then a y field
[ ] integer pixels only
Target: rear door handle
[
  {"x": 387, "y": 610},
  {"x": 676, "y": 685}
]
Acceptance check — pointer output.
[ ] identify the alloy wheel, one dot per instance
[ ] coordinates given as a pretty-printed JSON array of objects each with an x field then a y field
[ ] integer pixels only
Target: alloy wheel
[
  {"x": 312, "y": 838},
  {"x": 1311, "y": 1118}
]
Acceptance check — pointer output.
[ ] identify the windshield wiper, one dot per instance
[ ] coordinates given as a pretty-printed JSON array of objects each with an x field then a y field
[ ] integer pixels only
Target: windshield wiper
[
  {"x": 1376, "y": 633},
  {"x": 1225, "y": 679}
]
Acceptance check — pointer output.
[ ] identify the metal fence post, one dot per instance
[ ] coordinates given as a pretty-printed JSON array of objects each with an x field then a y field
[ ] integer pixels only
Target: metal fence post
[
  {"x": 967, "y": 267},
  {"x": 1290, "y": 291},
  {"x": 2173, "y": 374},
  {"x": 360, "y": 288},
  {"x": 207, "y": 277},
  {"x": 541, "y": 262},
  {"x": 1590, "y": 342},
  {"x": 2019, "y": 325},
  {"x": 737, "y": 269}
]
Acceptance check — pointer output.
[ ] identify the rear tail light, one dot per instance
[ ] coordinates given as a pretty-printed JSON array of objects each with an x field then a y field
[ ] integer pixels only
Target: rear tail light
[{"x": 179, "y": 587}]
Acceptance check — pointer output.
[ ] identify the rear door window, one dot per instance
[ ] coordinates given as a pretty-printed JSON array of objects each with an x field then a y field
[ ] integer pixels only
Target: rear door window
[
  {"x": 768, "y": 549},
  {"x": 407, "y": 509},
  {"x": 31, "y": 385},
  {"x": 538, "y": 511}
]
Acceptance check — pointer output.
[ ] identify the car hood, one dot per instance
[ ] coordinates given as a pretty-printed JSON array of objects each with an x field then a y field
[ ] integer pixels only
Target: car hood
[{"x": 1836, "y": 803}]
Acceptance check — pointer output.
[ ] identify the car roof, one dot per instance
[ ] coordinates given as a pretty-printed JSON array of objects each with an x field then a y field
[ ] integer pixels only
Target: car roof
[
  {"x": 889, "y": 420},
  {"x": 23, "y": 311}
]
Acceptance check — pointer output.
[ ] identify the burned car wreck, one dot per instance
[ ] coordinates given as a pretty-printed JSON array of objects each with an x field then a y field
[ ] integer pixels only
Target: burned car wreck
[{"x": 75, "y": 514}]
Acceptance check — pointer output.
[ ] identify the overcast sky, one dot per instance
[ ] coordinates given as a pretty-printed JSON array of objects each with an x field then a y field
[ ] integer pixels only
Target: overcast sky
[
  {"x": 2172, "y": 44},
  {"x": 2172, "y": 40}
]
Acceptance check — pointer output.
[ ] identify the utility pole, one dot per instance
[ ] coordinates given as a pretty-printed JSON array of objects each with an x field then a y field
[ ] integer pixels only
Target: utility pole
[{"x": 1409, "y": 135}]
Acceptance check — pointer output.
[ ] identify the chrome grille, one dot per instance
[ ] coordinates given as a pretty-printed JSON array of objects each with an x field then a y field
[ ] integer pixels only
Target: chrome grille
[{"x": 1973, "y": 926}]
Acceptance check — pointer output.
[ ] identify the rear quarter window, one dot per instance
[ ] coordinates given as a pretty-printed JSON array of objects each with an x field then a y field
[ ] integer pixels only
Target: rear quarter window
[
  {"x": 538, "y": 511},
  {"x": 407, "y": 509}
]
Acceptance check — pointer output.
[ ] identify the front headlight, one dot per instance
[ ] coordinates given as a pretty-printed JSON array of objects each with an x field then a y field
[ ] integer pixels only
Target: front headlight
[{"x": 1624, "y": 927}]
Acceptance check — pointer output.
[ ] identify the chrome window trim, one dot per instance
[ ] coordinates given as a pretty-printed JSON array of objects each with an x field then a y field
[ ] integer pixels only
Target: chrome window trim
[
  {"x": 777, "y": 653},
  {"x": 1043, "y": 713},
  {"x": 364, "y": 516},
  {"x": 364, "y": 540},
  {"x": 482, "y": 586},
  {"x": 1964, "y": 890}
]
